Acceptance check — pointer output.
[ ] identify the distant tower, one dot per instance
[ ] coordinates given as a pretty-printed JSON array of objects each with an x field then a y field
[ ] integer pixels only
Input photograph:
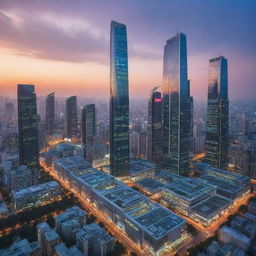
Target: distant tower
[
  {"x": 176, "y": 106},
  {"x": 28, "y": 127},
  {"x": 154, "y": 131},
  {"x": 191, "y": 118},
  {"x": 119, "y": 101},
  {"x": 50, "y": 114},
  {"x": 71, "y": 117},
  {"x": 88, "y": 124},
  {"x": 217, "y": 130},
  {"x": 9, "y": 111}
]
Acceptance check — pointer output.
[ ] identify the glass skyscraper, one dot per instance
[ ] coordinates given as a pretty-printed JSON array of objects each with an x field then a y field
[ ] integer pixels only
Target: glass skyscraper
[
  {"x": 119, "y": 101},
  {"x": 217, "y": 129},
  {"x": 49, "y": 114},
  {"x": 154, "y": 143},
  {"x": 176, "y": 104},
  {"x": 71, "y": 117},
  {"x": 88, "y": 124},
  {"x": 28, "y": 127}
]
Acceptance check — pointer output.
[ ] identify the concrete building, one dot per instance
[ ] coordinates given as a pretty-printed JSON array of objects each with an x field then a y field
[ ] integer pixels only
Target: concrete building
[
  {"x": 22, "y": 247},
  {"x": 47, "y": 238},
  {"x": 36, "y": 195},
  {"x": 62, "y": 250},
  {"x": 68, "y": 223},
  {"x": 229, "y": 235},
  {"x": 94, "y": 240},
  {"x": 19, "y": 177}
]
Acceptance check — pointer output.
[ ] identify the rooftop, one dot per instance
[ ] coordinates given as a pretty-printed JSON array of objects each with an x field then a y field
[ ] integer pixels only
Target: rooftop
[
  {"x": 190, "y": 189},
  {"x": 139, "y": 165},
  {"x": 211, "y": 205},
  {"x": 34, "y": 189},
  {"x": 167, "y": 177},
  {"x": 150, "y": 184},
  {"x": 222, "y": 184},
  {"x": 73, "y": 163}
]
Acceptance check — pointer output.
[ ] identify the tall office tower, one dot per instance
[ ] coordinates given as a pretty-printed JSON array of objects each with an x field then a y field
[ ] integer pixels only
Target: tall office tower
[
  {"x": 119, "y": 101},
  {"x": 50, "y": 114},
  {"x": 176, "y": 106},
  {"x": 191, "y": 118},
  {"x": 28, "y": 127},
  {"x": 71, "y": 117},
  {"x": 154, "y": 143},
  {"x": 9, "y": 111},
  {"x": 217, "y": 129},
  {"x": 88, "y": 124}
]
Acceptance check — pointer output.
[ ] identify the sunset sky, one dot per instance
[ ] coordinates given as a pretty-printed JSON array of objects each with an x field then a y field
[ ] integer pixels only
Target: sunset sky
[{"x": 63, "y": 45}]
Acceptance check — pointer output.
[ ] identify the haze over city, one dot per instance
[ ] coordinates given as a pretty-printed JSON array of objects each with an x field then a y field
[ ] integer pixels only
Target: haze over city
[{"x": 64, "y": 47}]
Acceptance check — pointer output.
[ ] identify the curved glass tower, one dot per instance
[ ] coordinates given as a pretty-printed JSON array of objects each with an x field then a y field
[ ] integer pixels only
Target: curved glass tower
[
  {"x": 176, "y": 105},
  {"x": 217, "y": 129},
  {"x": 119, "y": 101}
]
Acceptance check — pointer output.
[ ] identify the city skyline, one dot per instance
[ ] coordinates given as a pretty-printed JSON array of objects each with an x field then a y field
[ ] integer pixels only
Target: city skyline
[{"x": 66, "y": 48}]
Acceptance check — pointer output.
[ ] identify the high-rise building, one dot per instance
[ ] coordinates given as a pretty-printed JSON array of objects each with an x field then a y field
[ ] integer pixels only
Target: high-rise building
[
  {"x": 28, "y": 127},
  {"x": 217, "y": 129},
  {"x": 154, "y": 136},
  {"x": 191, "y": 118},
  {"x": 9, "y": 111},
  {"x": 119, "y": 101},
  {"x": 71, "y": 117},
  {"x": 49, "y": 114},
  {"x": 176, "y": 106},
  {"x": 88, "y": 124}
]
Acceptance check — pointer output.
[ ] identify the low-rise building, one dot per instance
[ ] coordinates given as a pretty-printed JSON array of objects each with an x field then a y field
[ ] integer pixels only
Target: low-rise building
[
  {"x": 94, "y": 240},
  {"x": 47, "y": 238},
  {"x": 3, "y": 208},
  {"x": 22, "y": 248},
  {"x": 229, "y": 235},
  {"x": 68, "y": 223},
  {"x": 62, "y": 250},
  {"x": 36, "y": 195}
]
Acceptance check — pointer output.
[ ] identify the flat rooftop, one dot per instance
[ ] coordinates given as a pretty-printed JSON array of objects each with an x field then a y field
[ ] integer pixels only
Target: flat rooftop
[
  {"x": 33, "y": 189},
  {"x": 222, "y": 184},
  {"x": 190, "y": 189},
  {"x": 167, "y": 177},
  {"x": 150, "y": 184},
  {"x": 149, "y": 216},
  {"x": 211, "y": 206},
  {"x": 140, "y": 165},
  {"x": 73, "y": 163}
]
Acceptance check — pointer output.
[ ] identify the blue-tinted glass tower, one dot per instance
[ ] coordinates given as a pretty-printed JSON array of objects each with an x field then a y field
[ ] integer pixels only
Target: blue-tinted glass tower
[
  {"x": 154, "y": 130},
  {"x": 50, "y": 113},
  {"x": 71, "y": 118},
  {"x": 176, "y": 106},
  {"x": 217, "y": 129},
  {"x": 28, "y": 127},
  {"x": 88, "y": 124},
  {"x": 119, "y": 101}
]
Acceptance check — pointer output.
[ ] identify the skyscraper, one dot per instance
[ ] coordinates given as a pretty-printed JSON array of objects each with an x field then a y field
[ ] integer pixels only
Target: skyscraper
[
  {"x": 176, "y": 106},
  {"x": 119, "y": 101},
  {"x": 154, "y": 142},
  {"x": 49, "y": 114},
  {"x": 191, "y": 118},
  {"x": 71, "y": 117},
  {"x": 28, "y": 128},
  {"x": 217, "y": 129},
  {"x": 88, "y": 124}
]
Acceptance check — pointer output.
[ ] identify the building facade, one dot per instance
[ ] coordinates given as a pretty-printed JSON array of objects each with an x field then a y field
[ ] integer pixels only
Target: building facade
[
  {"x": 119, "y": 101},
  {"x": 71, "y": 117},
  {"x": 88, "y": 124},
  {"x": 50, "y": 113},
  {"x": 28, "y": 127},
  {"x": 217, "y": 129},
  {"x": 176, "y": 104},
  {"x": 154, "y": 132}
]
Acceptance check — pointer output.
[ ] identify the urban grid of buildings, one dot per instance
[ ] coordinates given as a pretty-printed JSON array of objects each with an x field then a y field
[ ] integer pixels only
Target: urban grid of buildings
[{"x": 161, "y": 177}]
